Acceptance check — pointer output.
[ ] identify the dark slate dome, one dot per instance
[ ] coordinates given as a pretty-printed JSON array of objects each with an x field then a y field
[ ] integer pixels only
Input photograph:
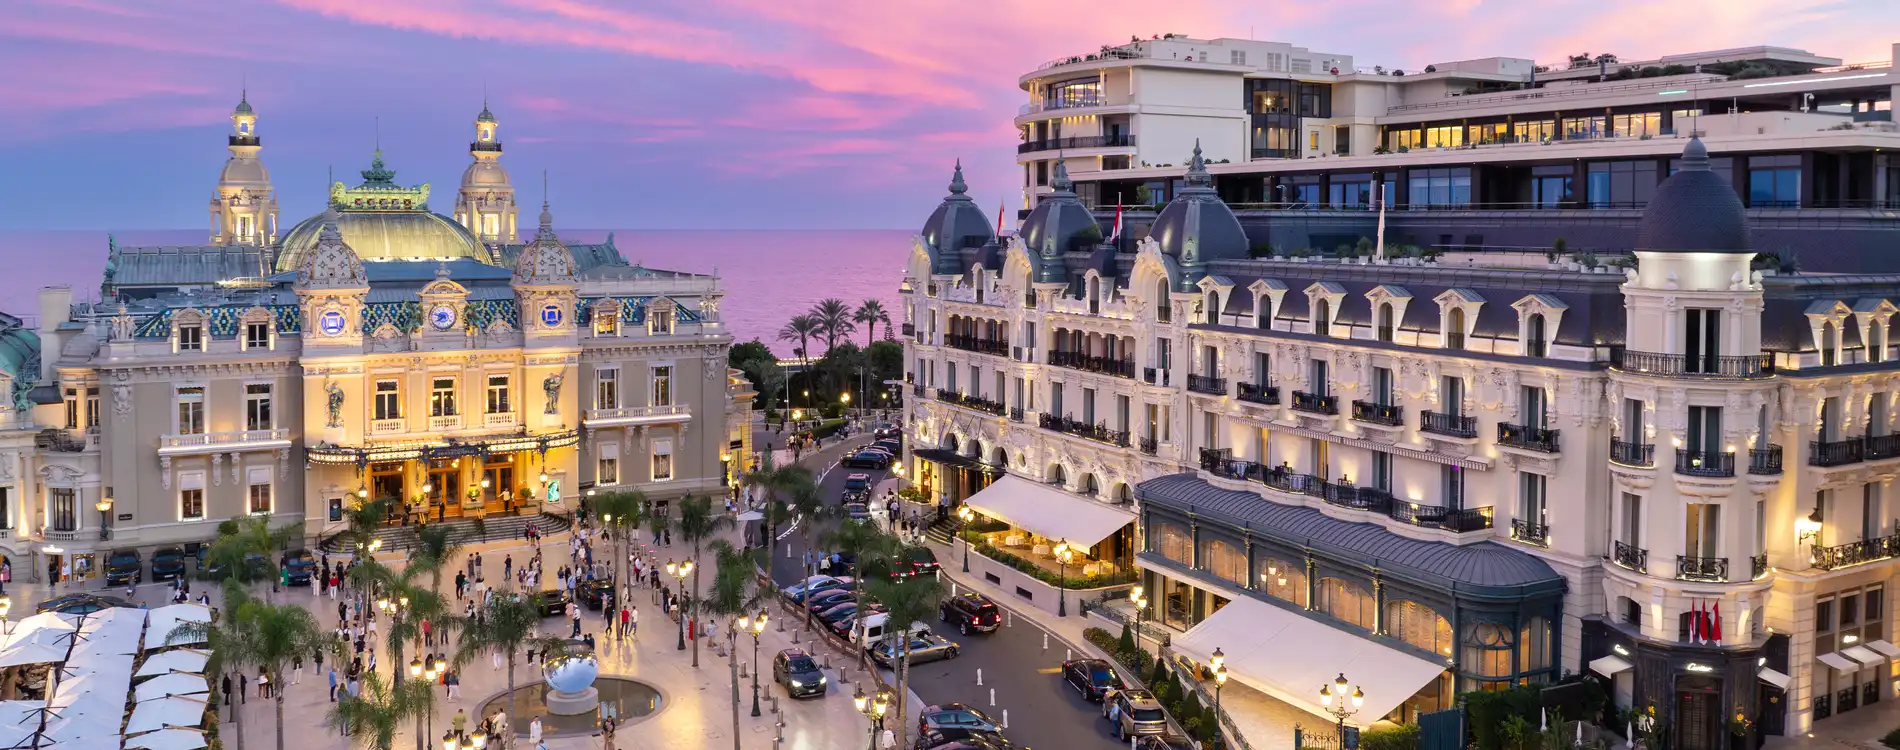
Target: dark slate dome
[
  {"x": 1058, "y": 224},
  {"x": 956, "y": 224},
  {"x": 1694, "y": 211},
  {"x": 1197, "y": 227}
]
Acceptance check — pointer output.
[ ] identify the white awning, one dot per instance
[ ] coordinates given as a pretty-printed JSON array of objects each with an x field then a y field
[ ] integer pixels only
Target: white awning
[
  {"x": 1609, "y": 666},
  {"x": 1289, "y": 656},
  {"x": 1838, "y": 662},
  {"x": 1772, "y": 677},
  {"x": 1864, "y": 656},
  {"x": 188, "y": 660},
  {"x": 170, "y": 685},
  {"x": 166, "y": 619},
  {"x": 19, "y": 720},
  {"x": 37, "y": 647},
  {"x": 166, "y": 712},
  {"x": 1884, "y": 648},
  {"x": 1049, "y": 512},
  {"x": 167, "y": 739},
  {"x": 43, "y": 621}
]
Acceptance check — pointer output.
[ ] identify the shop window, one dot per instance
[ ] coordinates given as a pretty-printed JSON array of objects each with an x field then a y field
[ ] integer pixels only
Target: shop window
[
  {"x": 1283, "y": 580},
  {"x": 1226, "y": 561},
  {"x": 1418, "y": 626},
  {"x": 1176, "y": 543},
  {"x": 1347, "y": 602},
  {"x": 1487, "y": 654}
]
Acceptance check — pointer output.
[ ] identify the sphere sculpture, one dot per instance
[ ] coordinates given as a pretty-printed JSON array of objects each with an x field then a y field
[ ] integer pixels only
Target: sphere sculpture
[{"x": 571, "y": 684}]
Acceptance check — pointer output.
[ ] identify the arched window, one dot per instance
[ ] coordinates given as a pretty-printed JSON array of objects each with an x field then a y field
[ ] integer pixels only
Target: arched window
[
  {"x": 999, "y": 457},
  {"x": 1385, "y": 321},
  {"x": 1163, "y": 313},
  {"x": 949, "y": 442},
  {"x": 1323, "y": 317},
  {"x": 1088, "y": 485},
  {"x": 1262, "y": 312},
  {"x": 1174, "y": 542},
  {"x": 1347, "y": 602},
  {"x": 1124, "y": 494},
  {"x": 1226, "y": 560},
  {"x": 1535, "y": 343},
  {"x": 1487, "y": 654},
  {"x": 1455, "y": 328},
  {"x": 1282, "y": 580},
  {"x": 1830, "y": 341},
  {"x": 1057, "y": 475},
  {"x": 1419, "y": 626},
  {"x": 976, "y": 446},
  {"x": 1876, "y": 335}
]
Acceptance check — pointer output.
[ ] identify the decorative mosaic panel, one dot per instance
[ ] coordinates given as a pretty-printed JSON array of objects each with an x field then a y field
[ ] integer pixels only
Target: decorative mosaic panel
[
  {"x": 156, "y": 327},
  {"x": 405, "y": 316},
  {"x": 483, "y": 313},
  {"x": 223, "y": 321},
  {"x": 633, "y": 310},
  {"x": 289, "y": 318}
]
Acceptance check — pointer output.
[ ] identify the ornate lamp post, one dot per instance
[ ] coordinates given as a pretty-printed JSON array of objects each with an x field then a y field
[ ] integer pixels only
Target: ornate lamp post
[
  {"x": 1064, "y": 553},
  {"x": 755, "y": 626},
  {"x": 1219, "y": 663},
  {"x": 873, "y": 707},
  {"x": 679, "y": 572},
  {"x": 1344, "y": 692},
  {"x": 6, "y": 605},
  {"x": 1136, "y": 597},
  {"x": 965, "y": 515},
  {"x": 105, "y": 516}
]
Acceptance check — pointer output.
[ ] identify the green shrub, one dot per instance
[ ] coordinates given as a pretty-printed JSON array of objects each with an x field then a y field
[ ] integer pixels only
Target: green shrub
[
  {"x": 228, "y": 527},
  {"x": 1193, "y": 726},
  {"x": 1127, "y": 641},
  {"x": 1892, "y": 739},
  {"x": 1401, "y": 737}
]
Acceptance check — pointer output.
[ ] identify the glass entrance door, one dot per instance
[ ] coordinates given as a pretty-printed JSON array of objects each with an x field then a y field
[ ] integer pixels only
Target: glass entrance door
[{"x": 500, "y": 473}]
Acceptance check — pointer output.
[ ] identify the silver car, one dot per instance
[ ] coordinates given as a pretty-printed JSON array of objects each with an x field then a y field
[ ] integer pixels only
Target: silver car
[{"x": 923, "y": 648}]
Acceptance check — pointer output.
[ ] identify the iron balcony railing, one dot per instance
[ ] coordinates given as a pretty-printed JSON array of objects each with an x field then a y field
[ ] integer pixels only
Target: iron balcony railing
[
  {"x": 1693, "y": 366},
  {"x": 1765, "y": 461},
  {"x": 1758, "y": 566},
  {"x": 1097, "y": 432},
  {"x": 1154, "y": 377},
  {"x": 1121, "y": 368},
  {"x": 1632, "y": 454},
  {"x": 1258, "y": 394},
  {"x": 1219, "y": 462},
  {"x": 1208, "y": 385},
  {"x": 494, "y": 146},
  {"x": 1630, "y": 556},
  {"x": 1527, "y": 437},
  {"x": 1694, "y": 463},
  {"x": 1836, "y": 452},
  {"x": 1882, "y": 446},
  {"x": 1454, "y": 425},
  {"x": 917, "y": 389},
  {"x": 1530, "y": 532},
  {"x": 1390, "y": 415},
  {"x": 1082, "y": 141},
  {"x": 1315, "y": 403},
  {"x": 1150, "y": 446},
  {"x": 909, "y": 330},
  {"x": 1016, "y": 415},
  {"x": 1855, "y": 553},
  {"x": 998, "y": 347},
  {"x": 970, "y": 402},
  {"x": 1706, "y": 569}
]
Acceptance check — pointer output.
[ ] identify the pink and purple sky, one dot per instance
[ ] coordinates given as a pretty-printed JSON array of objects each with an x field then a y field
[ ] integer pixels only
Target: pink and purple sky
[{"x": 685, "y": 113}]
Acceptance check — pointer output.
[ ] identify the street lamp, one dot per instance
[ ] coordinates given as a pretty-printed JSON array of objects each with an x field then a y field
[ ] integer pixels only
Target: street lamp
[
  {"x": 448, "y": 741},
  {"x": 105, "y": 509},
  {"x": 756, "y": 626},
  {"x": 1136, "y": 598},
  {"x": 679, "y": 572},
  {"x": 966, "y": 515},
  {"x": 6, "y": 605},
  {"x": 873, "y": 708},
  {"x": 1345, "y": 692},
  {"x": 1219, "y": 663},
  {"x": 1064, "y": 553}
]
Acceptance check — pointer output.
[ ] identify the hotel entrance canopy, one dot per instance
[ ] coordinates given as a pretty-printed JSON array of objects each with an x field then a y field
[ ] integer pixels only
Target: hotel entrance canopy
[
  {"x": 1049, "y": 512},
  {"x": 453, "y": 448},
  {"x": 1289, "y": 656}
]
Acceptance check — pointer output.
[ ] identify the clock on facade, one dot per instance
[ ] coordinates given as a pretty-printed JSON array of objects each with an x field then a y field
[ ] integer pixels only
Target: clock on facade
[
  {"x": 550, "y": 315},
  {"x": 442, "y": 317},
  {"x": 331, "y": 323}
]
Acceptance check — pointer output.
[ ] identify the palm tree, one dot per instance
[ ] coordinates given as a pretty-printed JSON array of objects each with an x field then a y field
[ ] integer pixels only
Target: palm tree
[
  {"x": 435, "y": 549},
  {"x": 907, "y": 601},
  {"x": 834, "y": 320},
  {"x": 260, "y": 634},
  {"x": 509, "y": 624},
  {"x": 800, "y": 329},
  {"x": 625, "y": 513},
  {"x": 224, "y": 638},
  {"x": 874, "y": 553},
  {"x": 734, "y": 595},
  {"x": 697, "y": 524},
  {"x": 254, "y": 537},
  {"x": 374, "y": 716},
  {"x": 807, "y": 504},
  {"x": 871, "y": 312}
]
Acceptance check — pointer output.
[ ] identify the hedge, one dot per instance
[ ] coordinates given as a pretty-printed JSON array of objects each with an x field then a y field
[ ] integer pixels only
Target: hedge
[
  {"x": 1401, "y": 737},
  {"x": 1133, "y": 658}
]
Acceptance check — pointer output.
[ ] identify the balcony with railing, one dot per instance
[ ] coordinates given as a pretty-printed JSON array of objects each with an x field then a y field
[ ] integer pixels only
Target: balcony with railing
[
  {"x": 1757, "y": 566},
  {"x": 1220, "y": 463},
  {"x": 917, "y": 390},
  {"x": 1630, "y": 556},
  {"x": 909, "y": 330},
  {"x": 1083, "y": 141},
  {"x": 1258, "y": 394},
  {"x": 1764, "y": 461},
  {"x": 1704, "y": 569},
  {"x": 1152, "y": 376},
  {"x": 1121, "y": 368},
  {"x": 1836, "y": 452},
  {"x": 968, "y": 401},
  {"x": 1693, "y": 366},
  {"x": 1315, "y": 403},
  {"x": 1449, "y": 425},
  {"x": 1016, "y": 414},
  {"x": 1704, "y": 463},
  {"x": 968, "y": 343},
  {"x": 1640, "y": 455},
  {"x": 1882, "y": 447},
  {"x": 1150, "y": 446},
  {"x": 1528, "y": 437},
  {"x": 224, "y": 442},
  {"x": 1855, "y": 553},
  {"x": 1372, "y": 412},
  {"x": 1530, "y": 532},
  {"x": 1097, "y": 432},
  {"x": 1208, "y": 385},
  {"x": 626, "y": 416}
]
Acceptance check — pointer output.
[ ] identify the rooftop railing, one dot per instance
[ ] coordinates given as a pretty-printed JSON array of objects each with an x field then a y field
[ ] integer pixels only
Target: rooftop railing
[{"x": 1220, "y": 462}]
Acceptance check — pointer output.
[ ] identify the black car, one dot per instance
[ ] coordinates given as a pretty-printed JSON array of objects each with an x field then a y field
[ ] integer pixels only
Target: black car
[
  {"x": 123, "y": 566},
  {"x": 951, "y": 738},
  {"x": 918, "y": 561},
  {"x": 824, "y": 600},
  {"x": 1092, "y": 677},
  {"x": 867, "y": 460},
  {"x": 551, "y": 603},
  {"x": 594, "y": 593},
  {"x": 299, "y": 567},
  {"x": 892, "y": 447},
  {"x": 887, "y": 431},
  {"x": 955, "y": 716},
  {"x": 971, "y": 611},
  {"x": 168, "y": 563},
  {"x": 798, "y": 673},
  {"x": 857, "y": 483}
]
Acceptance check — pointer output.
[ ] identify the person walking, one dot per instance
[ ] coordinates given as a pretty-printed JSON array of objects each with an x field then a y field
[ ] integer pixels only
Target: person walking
[
  {"x": 460, "y": 723},
  {"x": 333, "y": 683},
  {"x": 534, "y": 733}
]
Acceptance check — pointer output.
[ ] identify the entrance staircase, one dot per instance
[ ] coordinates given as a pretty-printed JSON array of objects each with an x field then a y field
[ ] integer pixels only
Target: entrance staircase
[
  {"x": 467, "y": 531},
  {"x": 943, "y": 531}
]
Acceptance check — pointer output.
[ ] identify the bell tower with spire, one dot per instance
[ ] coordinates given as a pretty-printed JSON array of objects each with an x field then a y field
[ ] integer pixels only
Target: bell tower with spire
[
  {"x": 486, "y": 202},
  {"x": 244, "y": 206}
]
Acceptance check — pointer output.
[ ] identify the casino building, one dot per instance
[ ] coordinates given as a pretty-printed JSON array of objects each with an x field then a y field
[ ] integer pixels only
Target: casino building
[{"x": 460, "y": 366}]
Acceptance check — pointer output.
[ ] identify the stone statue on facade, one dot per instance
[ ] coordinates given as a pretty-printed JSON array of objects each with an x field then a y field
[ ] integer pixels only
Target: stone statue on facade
[
  {"x": 552, "y": 387},
  {"x": 334, "y": 394}
]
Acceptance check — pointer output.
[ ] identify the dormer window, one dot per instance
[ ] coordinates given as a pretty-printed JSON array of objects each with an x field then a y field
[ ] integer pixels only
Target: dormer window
[
  {"x": 1457, "y": 312},
  {"x": 660, "y": 320},
  {"x": 256, "y": 336},
  {"x": 1323, "y": 299},
  {"x": 607, "y": 318},
  {"x": 1323, "y": 318},
  {"x": 191, "y": 338},
  {"x": 1536, "y": 341},
  {"x": 1388, "y": 307},
  {"x": 1455, "y": 328}
]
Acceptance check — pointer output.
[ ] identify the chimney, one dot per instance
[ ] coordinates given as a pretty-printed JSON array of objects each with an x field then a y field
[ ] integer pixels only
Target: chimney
[{"x": 56, "y": 305}]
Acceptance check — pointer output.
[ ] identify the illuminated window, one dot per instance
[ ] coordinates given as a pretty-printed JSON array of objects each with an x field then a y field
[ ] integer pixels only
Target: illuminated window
[
  {"x": 191, "y": 338},
  {"x": 607, "y": 389},
  {"x": 498, "y": 395},
  {"x": 442, "y": 398},
  {"x": 1346, "y": 602},
  {"x": 191, "y": 410},
  {"x": 662, "y": 460},
  {"x": 257, "y": 411},
  {"x": 388, "y": 399}
]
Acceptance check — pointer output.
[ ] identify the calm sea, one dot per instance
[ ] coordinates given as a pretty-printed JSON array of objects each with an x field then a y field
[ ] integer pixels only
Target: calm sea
[{"x": 769, "y": 276}]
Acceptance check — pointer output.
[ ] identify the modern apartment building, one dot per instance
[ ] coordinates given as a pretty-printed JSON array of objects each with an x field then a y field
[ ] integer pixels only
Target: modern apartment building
[
  {"x": 1491, "y": 152},
  {"x": 1439, "y": 474},
  {"x": 373, "y": 350}
]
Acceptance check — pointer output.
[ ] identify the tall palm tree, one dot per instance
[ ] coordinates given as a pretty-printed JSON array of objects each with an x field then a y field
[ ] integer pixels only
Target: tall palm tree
[
  {"x": 509, "y": 624},
  {"x": 734, "y": 595},
  {"x": 906, "y": 601},
  {"x": 874, "y": 552},
  {"x": 870, "y": 313},
  {"x": 260, "y": 634},
  {"x": 697, "y": 524},
  {"x": 435, "y": 550},
  {"x": 374, "y": 716},
  {"x": 834, "y": 320},
  {"x": 624, "y": 513},
  {"x": 801, "y": 328},
  {"x": 808, "y": 505},
  {"x": 254, "y": 537}
]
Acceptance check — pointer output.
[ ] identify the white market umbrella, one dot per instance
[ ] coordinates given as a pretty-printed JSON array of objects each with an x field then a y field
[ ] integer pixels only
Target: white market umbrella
[
  {"x": 168, "y": 739},
  {"x": 751, "y": 515},
  {"x": 170, "y": 685},
  {"x": 177, "y": 711},
  {"x": 166, "y": 619},
  {"x": 188, "y": 660}
]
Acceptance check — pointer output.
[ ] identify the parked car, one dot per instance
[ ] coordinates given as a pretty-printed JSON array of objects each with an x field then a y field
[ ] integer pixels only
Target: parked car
[
  {"x": 299, "y": 566},
  {"x": 857, "y": 483},
  {"x": 955, "y": 738},
  {"x": 873, "y": 627},
  {"x": 1136, "y": 713},
  {"x": 867, "y": 460},
  {"x": 593, "y": 593},
  {"x": 856, "y": 511},
  {"x": 81, "y": 604},
  {"x": 887, "y": 430},
  {"x": 1165, "y": 742},
  {"x": 892, "y": 446},
  {"x": 168, "y": 563},
  {"x": 1093, "y": 678},
  {"x": 971, "y": 611},
  {"x": 843, "y": 609},
  {"x": 824, "y": 600},
  {"x": 980, "y": 741},
  {"x": 550, "y": 603},
  {"x": 923, "y": 648},
  {"x": 124, "y": 566},
  {"x": 955, "y": 716},
  {"x": 798, "y": 593},
  {"x": 918, "y": 561},
  {"x": 798, "y": 673}
]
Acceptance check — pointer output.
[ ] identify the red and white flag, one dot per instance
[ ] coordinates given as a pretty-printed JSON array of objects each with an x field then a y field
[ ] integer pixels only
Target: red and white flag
[
  {"x": 1000, "y": 206},
  {"x": 1118, "y": 224},
  {"x": 1695, "y": 622},
  {"x": 1716, "y": 624}
]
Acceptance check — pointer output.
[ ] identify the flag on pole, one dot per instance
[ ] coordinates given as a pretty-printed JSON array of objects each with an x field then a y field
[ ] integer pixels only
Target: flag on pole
[
  {"x": 1000, "y": 207},
  {"x": 1378, "y": 246},
  {"x": 1717, "y": 624},
  {"x": 1117, "y": 233}
]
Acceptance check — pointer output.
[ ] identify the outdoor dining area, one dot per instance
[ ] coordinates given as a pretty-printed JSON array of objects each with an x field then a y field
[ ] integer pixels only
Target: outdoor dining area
[
  {"x": 115, "y": 678},
  {"x": 1064, "y": 534}
]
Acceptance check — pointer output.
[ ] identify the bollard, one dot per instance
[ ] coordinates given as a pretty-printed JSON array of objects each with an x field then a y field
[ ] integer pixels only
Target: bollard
[
  {"x": 1009, "y": 619},
  {"x": 1068, "y": 654},
  {"x": 953, "y": 589},
  {"x": 795, "y": 636},
  {"x": 979, "y": 677},
  {"x": 992, "y": 697},
  {"x": 1045, "y": 641},
  {"x": 1005, "y": 718}
]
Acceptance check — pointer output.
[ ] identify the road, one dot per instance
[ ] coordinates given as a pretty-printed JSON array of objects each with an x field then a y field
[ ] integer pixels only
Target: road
[{"x": 1043, "y": 711}]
